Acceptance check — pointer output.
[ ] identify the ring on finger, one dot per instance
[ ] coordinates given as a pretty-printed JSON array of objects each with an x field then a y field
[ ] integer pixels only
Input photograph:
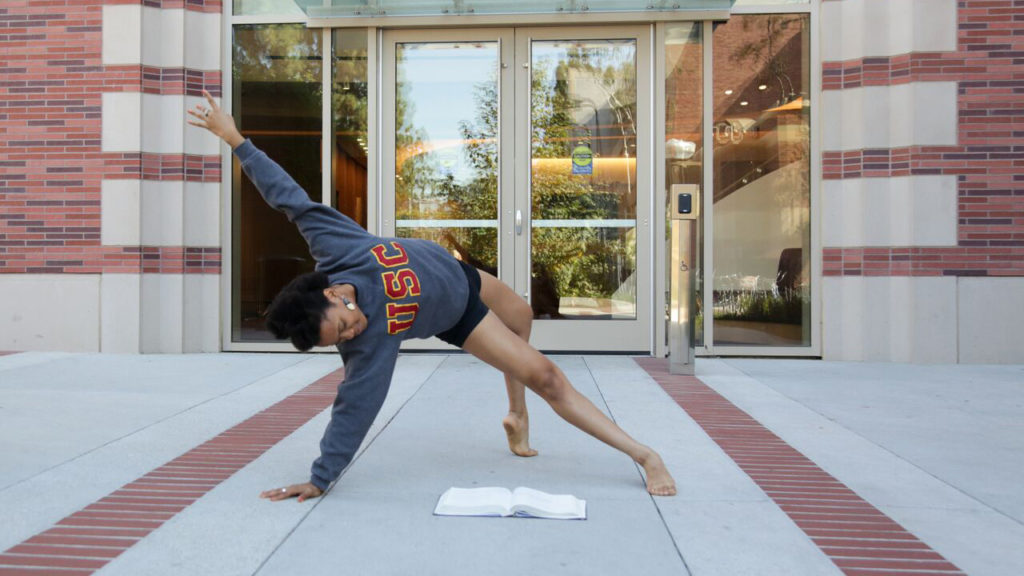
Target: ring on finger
[
  {"x": 206, "y": 113},
  {"x": 283, "y": 490}
]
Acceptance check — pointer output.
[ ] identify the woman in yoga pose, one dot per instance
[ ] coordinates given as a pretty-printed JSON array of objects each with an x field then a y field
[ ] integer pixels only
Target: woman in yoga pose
[{"x": 369, "y": 293}]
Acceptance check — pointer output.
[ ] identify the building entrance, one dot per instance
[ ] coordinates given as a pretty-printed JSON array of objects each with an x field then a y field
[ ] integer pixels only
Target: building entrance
[{"x": 527, "y": 153}]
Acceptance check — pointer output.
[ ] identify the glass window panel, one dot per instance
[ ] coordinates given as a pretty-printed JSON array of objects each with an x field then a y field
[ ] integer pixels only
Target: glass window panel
[
  {"x": 762, "y": 181},
  {"x": 276, "y": 84},
  {"x": 583, "y": 179},
  {"x": 456, "y": 7},
  {"x": 684, "y": 127},
  {"x": 755, "y": 3},
  {"x": 446, "y": 147},
  {"x": 349, "y": 105},
  {"x": 282, "y": 8}
]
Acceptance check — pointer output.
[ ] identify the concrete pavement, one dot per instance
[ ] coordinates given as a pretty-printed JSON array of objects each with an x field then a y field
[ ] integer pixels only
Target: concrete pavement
[{"x": 933, "y": 453}]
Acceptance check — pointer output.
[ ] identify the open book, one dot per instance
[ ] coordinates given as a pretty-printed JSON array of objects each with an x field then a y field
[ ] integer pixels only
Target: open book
[{"x": 497, "y": 501}]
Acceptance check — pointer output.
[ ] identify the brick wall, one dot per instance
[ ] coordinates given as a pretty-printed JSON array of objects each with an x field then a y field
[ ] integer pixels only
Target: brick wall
[
  {"x": 51, "y": 161},
  {"x": 988, "y": 159}
]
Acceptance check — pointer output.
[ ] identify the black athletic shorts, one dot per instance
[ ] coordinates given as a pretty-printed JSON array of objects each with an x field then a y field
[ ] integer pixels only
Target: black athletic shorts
[{"x": 474, "y": 313}]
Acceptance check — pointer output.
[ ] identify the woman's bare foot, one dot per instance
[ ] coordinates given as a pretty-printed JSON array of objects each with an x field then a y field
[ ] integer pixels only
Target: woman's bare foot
[
  {"x": 659, "y": 481},
  {"x": 517, "y": 428}
]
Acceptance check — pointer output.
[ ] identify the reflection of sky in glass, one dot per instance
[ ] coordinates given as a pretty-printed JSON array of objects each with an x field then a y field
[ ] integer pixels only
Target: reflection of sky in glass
[
  {"x": 280, "y": 8},
  {"x": 592, "y": 115},
  {"x": 439, "y": 81}
]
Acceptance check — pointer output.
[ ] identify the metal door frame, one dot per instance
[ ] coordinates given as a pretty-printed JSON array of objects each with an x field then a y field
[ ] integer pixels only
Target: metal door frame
[
  {"x": 514, "y": 150},
  {"x": 593, "y": 335}
]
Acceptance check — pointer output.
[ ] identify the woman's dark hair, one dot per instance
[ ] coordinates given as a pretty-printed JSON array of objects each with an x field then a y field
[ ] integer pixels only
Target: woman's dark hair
[{"x": 298, "y": 309}]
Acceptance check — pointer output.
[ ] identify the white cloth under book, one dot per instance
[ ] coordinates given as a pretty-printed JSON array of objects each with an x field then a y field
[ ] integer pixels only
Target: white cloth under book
[{"x": 498, "y": 501}]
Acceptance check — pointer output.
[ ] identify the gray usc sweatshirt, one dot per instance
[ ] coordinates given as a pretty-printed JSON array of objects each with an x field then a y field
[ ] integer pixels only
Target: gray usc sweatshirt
[{"x": 407, "y": 288}]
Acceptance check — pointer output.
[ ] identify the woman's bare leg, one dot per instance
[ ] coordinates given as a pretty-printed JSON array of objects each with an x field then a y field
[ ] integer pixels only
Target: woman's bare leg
[
  {"x": 517, "y": 316},
  {"x": 495, "y": 344}
]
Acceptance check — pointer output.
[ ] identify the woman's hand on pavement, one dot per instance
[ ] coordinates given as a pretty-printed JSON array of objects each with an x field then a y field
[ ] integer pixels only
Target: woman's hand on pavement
[
  {"x": 218, "y": 122},
  {"x": 303, "y": 491}
]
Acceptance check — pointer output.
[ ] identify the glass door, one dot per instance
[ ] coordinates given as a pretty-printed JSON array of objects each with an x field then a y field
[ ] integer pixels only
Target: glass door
[
  {"x": 442, "y": 140},
  {"x": 526, "y": 154},
  {"x": 584, "y": 182}
]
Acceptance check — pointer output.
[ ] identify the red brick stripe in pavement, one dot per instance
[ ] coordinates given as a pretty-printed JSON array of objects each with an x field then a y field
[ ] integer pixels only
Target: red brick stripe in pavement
[
  {"x": 856, "y": 536},
  {"x": 87, "y": 540}
]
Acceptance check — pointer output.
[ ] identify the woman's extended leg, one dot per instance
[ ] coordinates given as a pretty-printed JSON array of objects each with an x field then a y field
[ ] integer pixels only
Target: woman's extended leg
[
  {"x": 517, "y": 316},
  {"x": 493, "y": 342}
]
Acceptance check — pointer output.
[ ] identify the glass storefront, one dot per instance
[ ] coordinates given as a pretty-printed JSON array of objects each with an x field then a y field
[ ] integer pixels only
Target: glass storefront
[
  {"x": 736, "y": 123},
  {"x": 446, "y": 147},
  {"x": 684, "y": 141},
  {"x": 277, "y": 92},
  {"x": 349, "y": 109},
  {"x": 761, "y": 181},
  {"x": 583, "y": 179}
]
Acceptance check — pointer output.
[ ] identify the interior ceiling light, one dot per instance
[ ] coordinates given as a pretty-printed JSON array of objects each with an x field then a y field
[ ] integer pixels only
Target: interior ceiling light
[
  {"x": 728, "y": 92},
  {"x": 744, "y": 103},
  {"x": 762, "y": 87}
]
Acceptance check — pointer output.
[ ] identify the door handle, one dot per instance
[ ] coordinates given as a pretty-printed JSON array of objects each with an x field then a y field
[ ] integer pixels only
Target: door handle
[{"x": 519, "y": 222}]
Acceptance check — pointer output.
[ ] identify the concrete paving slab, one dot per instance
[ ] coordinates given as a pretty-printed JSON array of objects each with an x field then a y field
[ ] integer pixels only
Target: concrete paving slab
[
  {"x": 378, "y": 518},
  {"x": 981, "y": 542},
  {"x": 701, "y": 470},
  {"x": 395, "y": 534},
  {"x": 69, "y": 405},
  {"x": 10, "y": 360},
  {"x": 453, "y": 436},
  {"x": 878, "y": 474},
  {"x": 730, "y": 538},
  {"x": 873, "y": 427},
  {"x": 935, "y": 417},
  {"x": 231, "y": 531},
  {"x": 721, "y": 521},
  {"x": 96, "y": 471}
]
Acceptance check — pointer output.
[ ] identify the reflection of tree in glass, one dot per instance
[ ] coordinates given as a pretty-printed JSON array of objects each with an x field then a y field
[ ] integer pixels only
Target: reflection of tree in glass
[
  {"x": 424, "y": 191},
  {"x": 349, "y": 100},
  {"x": 416, "y": 170},
  {"x": 591, "y": 262},
  {"x": 276, "y": 79},
  {"x": 763, "y": 51},
  {"x": 770, "y": 46},
  {"x": 279, "y": 55},
  {"x": 478, "y": 199},
  {"x": 588, "y": 262}
]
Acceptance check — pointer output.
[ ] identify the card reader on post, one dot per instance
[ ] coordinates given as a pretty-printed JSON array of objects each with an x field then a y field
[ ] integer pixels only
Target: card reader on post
[
  {"x": 687, "y": 201},
  {"x": 685, "y": 212}
]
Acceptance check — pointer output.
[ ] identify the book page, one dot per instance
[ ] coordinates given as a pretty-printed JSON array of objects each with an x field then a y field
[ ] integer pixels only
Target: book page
[
  {"x": 488, "y": 501},
  {"x": 530, "y": 502}
]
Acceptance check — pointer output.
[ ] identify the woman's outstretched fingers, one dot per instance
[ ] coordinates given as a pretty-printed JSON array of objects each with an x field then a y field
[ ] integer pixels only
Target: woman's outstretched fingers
[
  {"x": 276, "y": 494},
  {"x": 211, "y": 101},
  {"x": 303, "y": 491},
  {"x": 218, "y": 122}
]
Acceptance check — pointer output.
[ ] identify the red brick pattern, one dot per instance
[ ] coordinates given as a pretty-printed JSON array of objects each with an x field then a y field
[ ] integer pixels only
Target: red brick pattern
[
  {"x": 157, "y": 80},
  {"x": 926, "y": 261},
  {"x": 81, "y": 256},
  {"x": 190, "y": 167},
  {"x": 916, "y": 67},
  {"x": 988, "y": 160},
  {"x": 855, "y": 535},
  {"x": 977, "y": 161},
  {"x": 51, "y": 163},
  {"x": 90, "y": 538}
]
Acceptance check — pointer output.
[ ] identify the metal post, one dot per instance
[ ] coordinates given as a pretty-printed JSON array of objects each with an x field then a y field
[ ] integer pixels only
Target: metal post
[{"x": 684, "y": 209}]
